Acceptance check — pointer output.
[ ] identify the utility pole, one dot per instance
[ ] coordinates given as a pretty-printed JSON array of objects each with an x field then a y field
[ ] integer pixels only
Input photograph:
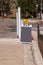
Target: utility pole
[
  {"x": 41, "y": 10},
  {"x": 36, "y": 9},
  {"x": 41, "y": 7}
]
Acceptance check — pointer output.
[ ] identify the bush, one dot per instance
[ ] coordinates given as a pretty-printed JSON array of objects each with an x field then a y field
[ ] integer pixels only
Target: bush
[{"x": 13, "y": 17}]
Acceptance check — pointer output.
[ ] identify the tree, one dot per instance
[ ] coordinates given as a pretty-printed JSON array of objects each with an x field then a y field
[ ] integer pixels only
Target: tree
[
  {"x": 4, "y": 6},
  {"x": 28, "y": 5}
]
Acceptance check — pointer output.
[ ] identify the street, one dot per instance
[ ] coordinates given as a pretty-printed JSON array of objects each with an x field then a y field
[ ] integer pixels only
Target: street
[{"x": 8, "y": 28}]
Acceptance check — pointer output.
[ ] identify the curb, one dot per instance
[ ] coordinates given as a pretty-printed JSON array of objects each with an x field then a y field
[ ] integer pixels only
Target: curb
[
  {"x": 9, "y": 41},
  {"x": 36, "y": 53}
]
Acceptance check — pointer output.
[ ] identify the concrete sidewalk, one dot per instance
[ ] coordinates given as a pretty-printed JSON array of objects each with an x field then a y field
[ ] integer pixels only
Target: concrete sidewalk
[{"x": 16, "y": 53}]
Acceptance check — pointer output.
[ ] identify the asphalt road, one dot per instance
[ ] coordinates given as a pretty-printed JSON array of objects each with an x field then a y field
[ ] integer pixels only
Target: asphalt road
[{"x": 8, "y": 28}]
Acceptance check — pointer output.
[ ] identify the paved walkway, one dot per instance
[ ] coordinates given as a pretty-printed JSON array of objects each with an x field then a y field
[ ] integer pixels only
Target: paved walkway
[{"x": 16, "y": 54}]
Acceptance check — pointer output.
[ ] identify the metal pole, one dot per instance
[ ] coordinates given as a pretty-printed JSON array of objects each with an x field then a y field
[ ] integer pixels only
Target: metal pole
[
  {"x": 41, "y": 7},
  {"x": 41, "y": 10},
  {"x": 19, "y": 19},
  {"x": 38, "y": 31},
  {"x": 17, "y": 22},
  {"x": 36, "y": 9}
]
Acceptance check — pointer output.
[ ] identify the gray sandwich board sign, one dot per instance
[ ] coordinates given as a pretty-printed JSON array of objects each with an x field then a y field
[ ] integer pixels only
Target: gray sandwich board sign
[{"x": 26, "y": 34}]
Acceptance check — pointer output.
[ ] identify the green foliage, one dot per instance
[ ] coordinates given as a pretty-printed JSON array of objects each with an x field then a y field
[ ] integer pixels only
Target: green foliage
[
  {"x": 24, "y": 4},
  {"x": 28, "y": 5},
  {"x": 13, "y": 17},
  {"x": 4, "y": 5}
]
